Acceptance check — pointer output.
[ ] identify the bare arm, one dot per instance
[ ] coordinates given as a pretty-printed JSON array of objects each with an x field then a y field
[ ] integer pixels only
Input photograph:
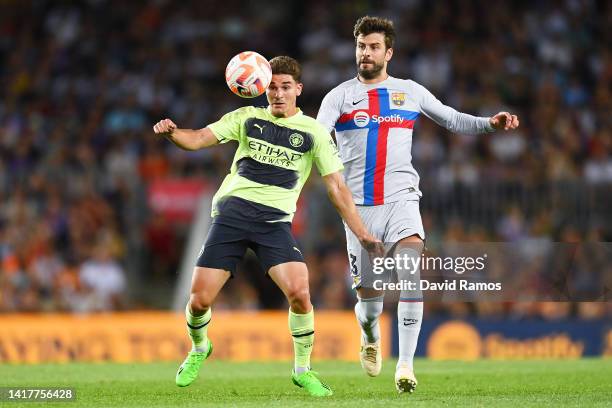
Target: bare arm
[
  {"x": 341, "y": 197},
  {"x": 188, "y": 139}
]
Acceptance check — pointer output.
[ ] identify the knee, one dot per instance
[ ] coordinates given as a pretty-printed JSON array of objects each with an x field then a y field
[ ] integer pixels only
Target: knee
[
  {"x": 299, "y": 299},
  {"x": 200, "y": 303}
]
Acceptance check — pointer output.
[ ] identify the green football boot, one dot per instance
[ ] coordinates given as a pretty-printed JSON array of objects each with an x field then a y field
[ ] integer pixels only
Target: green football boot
[
  {"x": 188, "y": 371},
  {"x": 309, "y": 380}
]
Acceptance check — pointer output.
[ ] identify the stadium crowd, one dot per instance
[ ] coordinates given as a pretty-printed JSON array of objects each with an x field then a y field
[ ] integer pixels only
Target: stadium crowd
[{"x": 81, "y": 84}]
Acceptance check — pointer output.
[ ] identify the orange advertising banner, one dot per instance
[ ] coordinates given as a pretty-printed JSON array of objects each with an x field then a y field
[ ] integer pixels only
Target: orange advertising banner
[{"x": 161, "y": 336}]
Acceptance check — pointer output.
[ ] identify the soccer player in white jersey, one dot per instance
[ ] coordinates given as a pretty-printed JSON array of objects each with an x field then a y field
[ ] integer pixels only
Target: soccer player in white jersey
[{"x": 373, "y": 116}]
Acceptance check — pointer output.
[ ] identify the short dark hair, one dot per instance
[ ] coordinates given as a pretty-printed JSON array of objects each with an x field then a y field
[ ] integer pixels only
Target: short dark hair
[
  {"x": 368, "y": 25},
  {"x": 286, "y": 65}
]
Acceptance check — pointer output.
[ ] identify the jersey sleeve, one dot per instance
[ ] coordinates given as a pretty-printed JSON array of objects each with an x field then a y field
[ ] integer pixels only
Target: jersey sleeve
[
  {"x": 448, "y": 117},
  {"x": 228, "y": 127},
  {"x": 329, "y": 112},
  {"x": 325, "y": 154}
]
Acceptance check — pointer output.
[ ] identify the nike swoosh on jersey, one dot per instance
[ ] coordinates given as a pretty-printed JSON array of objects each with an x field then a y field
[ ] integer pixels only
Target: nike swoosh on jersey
[{"x": 359, "y": 101}]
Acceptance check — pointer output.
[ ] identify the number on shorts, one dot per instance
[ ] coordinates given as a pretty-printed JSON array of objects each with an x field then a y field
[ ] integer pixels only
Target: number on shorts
[{"x": 354, "y": 271}]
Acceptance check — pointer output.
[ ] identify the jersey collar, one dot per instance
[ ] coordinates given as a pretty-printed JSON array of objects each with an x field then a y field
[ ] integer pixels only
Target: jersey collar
[
  {"x": 295, "y": 115},
  {"x": 375, "y": 83}
]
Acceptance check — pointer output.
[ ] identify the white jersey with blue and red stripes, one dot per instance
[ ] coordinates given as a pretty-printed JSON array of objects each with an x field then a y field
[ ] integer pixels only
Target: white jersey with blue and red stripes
[{"x": 373, "y": 125}]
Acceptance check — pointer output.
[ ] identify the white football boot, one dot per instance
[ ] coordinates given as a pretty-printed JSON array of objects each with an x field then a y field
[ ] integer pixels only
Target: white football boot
[
  {"x": 371, "y": 358},
  {"x": 405, "y": 381}
]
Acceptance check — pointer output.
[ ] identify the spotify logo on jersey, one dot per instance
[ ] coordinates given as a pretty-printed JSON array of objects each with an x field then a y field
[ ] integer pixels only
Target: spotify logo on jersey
[{"x": 361, "y": 119}]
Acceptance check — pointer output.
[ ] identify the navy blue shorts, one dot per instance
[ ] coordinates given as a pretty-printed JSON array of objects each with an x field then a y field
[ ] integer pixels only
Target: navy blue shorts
[{"x": 228, "y": 240}]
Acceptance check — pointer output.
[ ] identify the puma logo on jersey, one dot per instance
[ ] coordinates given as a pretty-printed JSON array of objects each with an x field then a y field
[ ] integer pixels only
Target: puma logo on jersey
[{"x": 261, "y": 128}]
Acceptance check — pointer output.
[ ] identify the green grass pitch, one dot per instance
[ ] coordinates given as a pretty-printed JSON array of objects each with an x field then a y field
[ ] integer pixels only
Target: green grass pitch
[{"x": 516, "y": 384}]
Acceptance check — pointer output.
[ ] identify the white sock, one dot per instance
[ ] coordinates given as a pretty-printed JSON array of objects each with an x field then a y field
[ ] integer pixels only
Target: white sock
[
  {"x": 409, "y": 317},
  {"x": 367, "y": 312},
  {"x": 300, "y": 370},
  {"x": 410, "y": 306}
]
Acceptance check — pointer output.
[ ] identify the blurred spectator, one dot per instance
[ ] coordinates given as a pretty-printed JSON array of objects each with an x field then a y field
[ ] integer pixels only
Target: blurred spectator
[{"x": 105, "y": 278}]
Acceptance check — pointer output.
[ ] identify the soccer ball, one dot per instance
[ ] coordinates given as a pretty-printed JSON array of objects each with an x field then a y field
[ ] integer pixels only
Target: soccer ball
[{"x": 248, "y": 74}]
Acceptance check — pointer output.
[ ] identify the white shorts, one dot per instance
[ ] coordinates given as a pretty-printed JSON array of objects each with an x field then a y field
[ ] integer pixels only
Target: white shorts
[{"x": 388, "y": 222}]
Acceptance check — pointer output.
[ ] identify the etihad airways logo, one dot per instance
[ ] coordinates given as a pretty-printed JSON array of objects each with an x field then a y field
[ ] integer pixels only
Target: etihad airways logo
[
  {"x": 362, "y": 119},
  {"x": 271, "y": 154}
]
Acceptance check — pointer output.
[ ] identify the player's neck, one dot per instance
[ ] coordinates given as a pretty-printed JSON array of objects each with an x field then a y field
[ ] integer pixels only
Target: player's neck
[
  {"x": 287, "y": 114},
  {"x": 379, "y": 78}
]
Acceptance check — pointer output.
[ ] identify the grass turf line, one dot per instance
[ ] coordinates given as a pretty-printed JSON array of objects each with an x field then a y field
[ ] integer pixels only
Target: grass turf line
[{"x": 482, "y": 383}]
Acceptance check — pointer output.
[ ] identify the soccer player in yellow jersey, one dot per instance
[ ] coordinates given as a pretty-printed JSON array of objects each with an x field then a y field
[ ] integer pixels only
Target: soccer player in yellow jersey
[{"x": 254, "y": 207}]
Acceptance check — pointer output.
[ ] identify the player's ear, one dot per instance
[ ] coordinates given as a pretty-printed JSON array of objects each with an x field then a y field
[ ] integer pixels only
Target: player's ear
[
  {"x": 298, "y": 90},
  {"x": 388, "y": 54}
]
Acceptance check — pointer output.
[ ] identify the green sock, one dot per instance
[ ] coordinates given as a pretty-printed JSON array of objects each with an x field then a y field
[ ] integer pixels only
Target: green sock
[
  {"x": 197, "y": 328},
  {"x": 301, "y": 327}
]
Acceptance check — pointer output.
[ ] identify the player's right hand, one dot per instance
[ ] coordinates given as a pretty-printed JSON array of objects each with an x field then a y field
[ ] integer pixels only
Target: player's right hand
[
  {"x": 164, "y": 127},
  {"x": 373, "y": 246}
]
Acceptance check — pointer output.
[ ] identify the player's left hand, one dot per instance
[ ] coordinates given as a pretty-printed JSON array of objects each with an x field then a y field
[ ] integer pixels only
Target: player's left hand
[{"x": 504, "y": 121}]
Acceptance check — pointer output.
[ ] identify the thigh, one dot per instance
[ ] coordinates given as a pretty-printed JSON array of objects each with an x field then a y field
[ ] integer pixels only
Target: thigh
[
  {"x": 225, "y": 246},
  {"x": 274, "y": 244},
  {"x": 357, "y": 256},
  {"x": 207, "y": 282},
  {"x": 291, "y": 277}
]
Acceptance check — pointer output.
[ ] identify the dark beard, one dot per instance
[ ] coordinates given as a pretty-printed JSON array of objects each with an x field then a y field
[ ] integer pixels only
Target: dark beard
[{"x": 370, "y": 73}]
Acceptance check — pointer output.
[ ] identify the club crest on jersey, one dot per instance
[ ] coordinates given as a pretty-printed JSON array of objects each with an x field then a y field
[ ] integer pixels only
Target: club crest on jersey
[
  {"x": 361, "y": 119},
  {"x": 296, "y": 140},
  {"x": 398, "y": 98}
]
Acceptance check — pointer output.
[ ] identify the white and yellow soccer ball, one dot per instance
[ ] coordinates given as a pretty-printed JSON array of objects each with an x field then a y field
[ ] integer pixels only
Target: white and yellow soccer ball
[{"x": 248, "y": 74}]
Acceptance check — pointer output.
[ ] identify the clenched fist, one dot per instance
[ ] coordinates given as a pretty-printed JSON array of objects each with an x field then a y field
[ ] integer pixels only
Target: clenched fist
[
  {"x": 504, "y": 121},
  {"x": 164, "y": 127}
]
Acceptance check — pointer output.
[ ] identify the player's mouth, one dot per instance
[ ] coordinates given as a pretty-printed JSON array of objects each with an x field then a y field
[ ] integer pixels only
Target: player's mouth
[{"x": 278, "y": 104}]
